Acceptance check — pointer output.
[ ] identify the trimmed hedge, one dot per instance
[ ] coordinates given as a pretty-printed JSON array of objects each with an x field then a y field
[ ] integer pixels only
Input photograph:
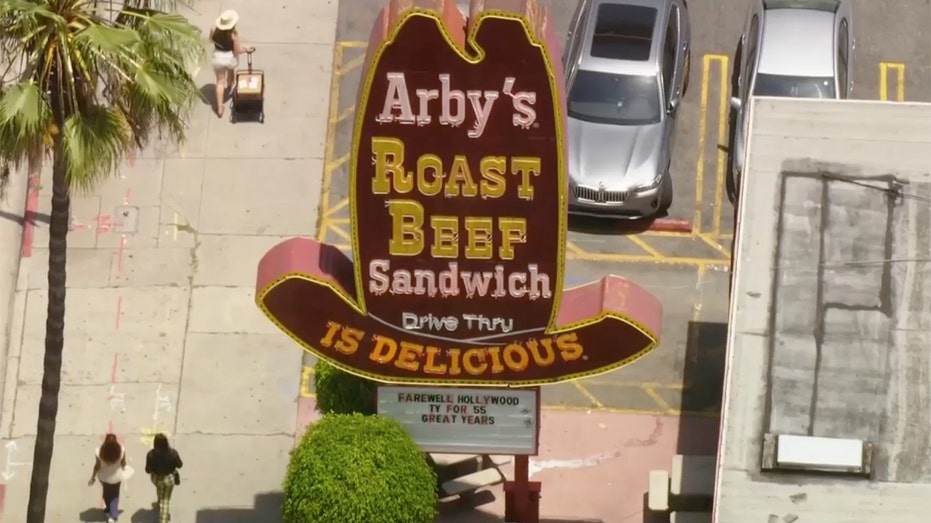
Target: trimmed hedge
[
  {"x": 350, "y": 468},
  {"x": 339, "y": 392}
]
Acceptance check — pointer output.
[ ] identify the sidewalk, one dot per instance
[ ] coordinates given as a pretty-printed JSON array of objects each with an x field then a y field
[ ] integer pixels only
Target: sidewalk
[
  {"x": 594, "y": 466},
  {"x": 162, "y": 334}
]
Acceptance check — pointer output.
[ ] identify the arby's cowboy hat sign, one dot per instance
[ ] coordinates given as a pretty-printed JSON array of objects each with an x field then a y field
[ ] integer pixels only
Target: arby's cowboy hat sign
[{"x": 458, "y": 210}]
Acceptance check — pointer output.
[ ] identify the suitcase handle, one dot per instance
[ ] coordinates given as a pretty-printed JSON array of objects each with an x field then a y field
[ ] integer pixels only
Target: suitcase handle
[{"x": 249, "y": 51}]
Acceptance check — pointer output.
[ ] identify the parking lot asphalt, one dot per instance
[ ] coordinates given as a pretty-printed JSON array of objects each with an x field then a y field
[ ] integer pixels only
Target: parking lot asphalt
[{"x": 686, "y": 269}]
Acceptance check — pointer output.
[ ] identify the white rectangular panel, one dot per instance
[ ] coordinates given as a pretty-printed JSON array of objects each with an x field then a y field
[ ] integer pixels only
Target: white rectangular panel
[
  {"x": 819, "y": 453},
  {"x": 468, "y": 420}
]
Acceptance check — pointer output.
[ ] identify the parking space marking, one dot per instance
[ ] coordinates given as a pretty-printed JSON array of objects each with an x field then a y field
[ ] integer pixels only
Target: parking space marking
[
  {"x": 645, "y": 246},
  {"x": 721, "y": 160},
  {"x": 899, "y": 69},
  {"x": 641, "y": 258},
  {"x": 595, "y": 402},
  {"x": 574, "y": 249},
  {"x": 664, "y": 407},
  {"x": 325, "y": 183},
  {"x": 307, "y": 373},
  {"x": 707, "y": 61}
]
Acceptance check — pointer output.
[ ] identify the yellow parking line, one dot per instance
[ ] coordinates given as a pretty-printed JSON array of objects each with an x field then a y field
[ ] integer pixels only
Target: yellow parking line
[
  {"x": 899, "y": 68},
  {"x": 638, "y": 384},
  {"x": 588, "y": 395},
  {"x": 338, "y": 207},
  {"x": 645, "y": 246},
  {"x": 575, "y": 248},
  {"x": 307, "y": 373},
  {"x": 646, "y": 258},
  {"x": 330, "y": 144},
  {"x": 339, "y": 231},
  {"x": 352, "y": 43},
  {"x": 665, "y": 407},
  {"x": 350, "y": 65},
  {"x": 346, "y": 113},
  {"x": 702, "y": 126},
  {"x": 337, "y": 163},
  {"x": 667, "y": 234},
  {"x": 707, "y": 60},
  {"x": 721, "y": 162},
  {"x": 340, "y": 221},
  {"x": 714, "y": 245}
]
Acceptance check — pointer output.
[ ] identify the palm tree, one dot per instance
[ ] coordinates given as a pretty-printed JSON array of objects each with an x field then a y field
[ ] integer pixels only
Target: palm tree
[{"x": 90, "y": 83}]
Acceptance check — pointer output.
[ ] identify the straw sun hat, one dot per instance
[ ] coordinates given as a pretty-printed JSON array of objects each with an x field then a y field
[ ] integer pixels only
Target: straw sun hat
[{"x": 227, "y": 20}]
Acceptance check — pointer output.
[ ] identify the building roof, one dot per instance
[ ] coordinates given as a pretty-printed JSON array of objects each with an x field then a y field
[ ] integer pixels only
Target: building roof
[
  {"x": 798, "y": 42},
  {"x": 830, "y": 321}
]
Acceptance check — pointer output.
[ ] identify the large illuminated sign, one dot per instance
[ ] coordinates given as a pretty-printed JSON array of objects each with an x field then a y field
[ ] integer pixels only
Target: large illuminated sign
[{"x": 458, "y": 201}]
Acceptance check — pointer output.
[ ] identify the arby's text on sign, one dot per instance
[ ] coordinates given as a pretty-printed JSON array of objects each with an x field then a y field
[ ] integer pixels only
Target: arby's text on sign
[{"x": 458, "y": 202}]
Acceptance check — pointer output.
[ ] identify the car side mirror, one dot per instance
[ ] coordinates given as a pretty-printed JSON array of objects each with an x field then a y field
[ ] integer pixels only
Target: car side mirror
[
  {"x": 736, "y": 104},
  {"x": 673, "y": 105}
]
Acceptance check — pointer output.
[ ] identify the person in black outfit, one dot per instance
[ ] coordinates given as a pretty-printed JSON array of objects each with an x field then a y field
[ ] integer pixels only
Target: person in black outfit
[
  {"x": 226, "y": 51},
  {"x": 162, "y": 464}
]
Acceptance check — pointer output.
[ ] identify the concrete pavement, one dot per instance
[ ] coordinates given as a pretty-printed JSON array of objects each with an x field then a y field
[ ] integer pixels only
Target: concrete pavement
[
  {"x": 162, "y": 333},
  {"x": 594, "y": 466}
]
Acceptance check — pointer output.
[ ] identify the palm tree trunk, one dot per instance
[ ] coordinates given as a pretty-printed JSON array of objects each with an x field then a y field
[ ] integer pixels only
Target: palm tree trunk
[{"x": 54, "y": 337}]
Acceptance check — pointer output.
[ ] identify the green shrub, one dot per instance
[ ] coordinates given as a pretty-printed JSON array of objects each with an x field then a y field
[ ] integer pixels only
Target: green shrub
[
  {"x": 339, "y": 392},
  {"x": 350, "y": 468}
]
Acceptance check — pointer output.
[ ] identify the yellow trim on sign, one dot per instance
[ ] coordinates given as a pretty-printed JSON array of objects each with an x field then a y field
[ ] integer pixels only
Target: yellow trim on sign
[{"x": 555, "y": 90}]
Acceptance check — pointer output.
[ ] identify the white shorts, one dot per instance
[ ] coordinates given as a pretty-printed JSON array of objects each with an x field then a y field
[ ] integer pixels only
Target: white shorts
[{"x": 224, "y": 60}]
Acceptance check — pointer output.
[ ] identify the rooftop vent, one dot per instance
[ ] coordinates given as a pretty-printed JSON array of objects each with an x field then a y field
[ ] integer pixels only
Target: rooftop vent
[{"x": 785, "y": 452}]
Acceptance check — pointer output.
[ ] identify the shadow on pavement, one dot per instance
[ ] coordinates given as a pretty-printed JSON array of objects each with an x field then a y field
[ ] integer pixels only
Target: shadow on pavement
[
  {"x": 703, "y": 371},
  {"x": 652, "y": 517},
  {"x": 702, "y": 388},
  {"x": 267, "y": 509},
  {"x": 467, "y": 511},
  {"x": 31, "y": 216},
  {"x": 607, "y": 226},
  {"x": 92, "y": 515}
]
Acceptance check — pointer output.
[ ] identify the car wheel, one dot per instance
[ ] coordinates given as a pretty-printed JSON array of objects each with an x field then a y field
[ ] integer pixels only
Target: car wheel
[
  {"x": 665, "y": 195},
  {"x": 688, "y": 72}
]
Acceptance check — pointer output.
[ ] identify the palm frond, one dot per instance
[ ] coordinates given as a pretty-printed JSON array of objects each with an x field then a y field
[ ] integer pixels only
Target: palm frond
[
  {"x": 95, "y": 143},
  {"x": 127, "y": 75},
  {"x": 25, "y": 121}
]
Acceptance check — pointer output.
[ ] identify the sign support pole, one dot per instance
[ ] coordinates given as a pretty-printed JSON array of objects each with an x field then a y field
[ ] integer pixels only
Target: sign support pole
[{"x": 522, "y": 496}]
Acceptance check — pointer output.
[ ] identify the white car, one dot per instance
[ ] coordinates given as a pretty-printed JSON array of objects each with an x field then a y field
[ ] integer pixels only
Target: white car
[{"x": 790, "y": 48}]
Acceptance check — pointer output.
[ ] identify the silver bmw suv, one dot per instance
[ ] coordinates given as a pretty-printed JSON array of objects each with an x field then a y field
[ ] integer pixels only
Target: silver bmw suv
[{"x": 627, "y": 68}]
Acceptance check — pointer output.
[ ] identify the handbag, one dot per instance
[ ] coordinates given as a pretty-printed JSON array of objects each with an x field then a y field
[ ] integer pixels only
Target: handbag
[{"x": 177, "y": 476}]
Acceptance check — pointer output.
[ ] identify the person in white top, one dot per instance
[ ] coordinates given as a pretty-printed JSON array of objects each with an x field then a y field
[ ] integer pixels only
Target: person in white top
[{"x": 110, "y": 469}]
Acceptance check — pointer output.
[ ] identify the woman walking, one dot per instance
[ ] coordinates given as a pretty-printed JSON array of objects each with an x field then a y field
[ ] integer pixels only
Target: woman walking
[
  {"x": 110, "y": 469},
  {"x": 226, "y": 51},
  {"x": 162, "y": 464}
]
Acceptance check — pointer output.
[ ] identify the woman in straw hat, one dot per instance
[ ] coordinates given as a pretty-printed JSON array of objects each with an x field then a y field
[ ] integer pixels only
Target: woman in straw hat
[{"x": 226, "y": 51}]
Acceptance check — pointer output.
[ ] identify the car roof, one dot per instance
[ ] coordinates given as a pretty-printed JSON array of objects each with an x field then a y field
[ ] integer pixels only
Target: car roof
[
  {"x": 647, "y": 66},
  {"x": 797, "y": 42}
]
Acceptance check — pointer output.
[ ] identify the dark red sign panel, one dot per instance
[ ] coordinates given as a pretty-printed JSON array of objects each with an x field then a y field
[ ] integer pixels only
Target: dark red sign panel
[{"x": 457, "y": 191}]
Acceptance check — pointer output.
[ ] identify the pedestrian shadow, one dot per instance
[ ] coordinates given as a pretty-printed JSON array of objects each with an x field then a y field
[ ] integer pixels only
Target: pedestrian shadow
[
  {"x": 94, "y": 515},
  {"x": 266, "y": 509},
  {"x": 145, "y": 515},
  {"x": 208, "y": 95}
]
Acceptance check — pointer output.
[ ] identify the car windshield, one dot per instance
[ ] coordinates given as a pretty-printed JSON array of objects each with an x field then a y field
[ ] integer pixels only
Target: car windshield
[
  {"x": 794, "y": 86},
  {"x": 617, "y": 99}
]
